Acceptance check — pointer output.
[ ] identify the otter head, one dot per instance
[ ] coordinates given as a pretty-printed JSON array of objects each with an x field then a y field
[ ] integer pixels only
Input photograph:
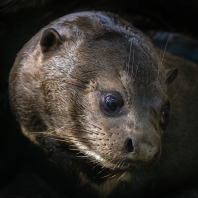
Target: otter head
[{"x": 94, "y": 81}]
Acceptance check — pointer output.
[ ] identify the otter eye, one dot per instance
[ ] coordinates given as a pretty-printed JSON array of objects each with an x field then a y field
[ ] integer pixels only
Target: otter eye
[
  {"x": 111, "y": 103},
  {"x": 165, "y": 116}
]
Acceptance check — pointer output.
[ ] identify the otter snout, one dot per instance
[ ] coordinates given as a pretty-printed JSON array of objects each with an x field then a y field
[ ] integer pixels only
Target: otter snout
[{"x": 138, "y": 150}]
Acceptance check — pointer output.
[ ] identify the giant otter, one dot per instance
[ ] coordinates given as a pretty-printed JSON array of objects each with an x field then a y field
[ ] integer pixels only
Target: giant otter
[{"x": 94, "y": 94}]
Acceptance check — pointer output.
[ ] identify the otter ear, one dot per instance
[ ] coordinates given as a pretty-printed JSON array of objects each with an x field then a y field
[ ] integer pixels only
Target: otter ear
[
  {"x": 50, "y": 40},
  {"x": 171, "y": 75}
]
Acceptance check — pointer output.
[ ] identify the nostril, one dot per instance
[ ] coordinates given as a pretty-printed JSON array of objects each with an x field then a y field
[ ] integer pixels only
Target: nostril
[{"x": 129, "y": 145}]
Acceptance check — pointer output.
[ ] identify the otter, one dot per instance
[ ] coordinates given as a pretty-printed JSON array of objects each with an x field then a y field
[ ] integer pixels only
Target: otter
[{"x": 93, "y": 93}]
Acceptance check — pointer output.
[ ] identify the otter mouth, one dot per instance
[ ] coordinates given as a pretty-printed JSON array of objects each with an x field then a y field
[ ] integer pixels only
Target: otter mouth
[
  {"x": 121, "y": 164},
  {"x": 130, "y": 165}
]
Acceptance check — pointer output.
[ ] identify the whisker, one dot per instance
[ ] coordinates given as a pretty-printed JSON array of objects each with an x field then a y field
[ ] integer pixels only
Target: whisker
[
  {"x": 113, "y": 176},
  {"x": 137, "y": 67},
  {"x": 121, "y": 176},
  {"x": 165, "y": 48},
  {"x": 132, "y": 69},
  {"x": 101, "y": 171},
  {"x": 82, "y": 156},
  {"x": 109, "y": 175},
  {"x": 94, "y": 125},
  {"x": 95, "y": 166},
  {"x": 176, "y": 94},
  {"x": 129, "y": 60},
  {"x": 120, "y": 163}
]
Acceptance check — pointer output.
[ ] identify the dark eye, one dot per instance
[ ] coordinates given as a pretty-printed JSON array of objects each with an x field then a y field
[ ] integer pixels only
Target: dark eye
[
  {"x": 165, "y": 116},
  {"x": 111, "y": 103}
]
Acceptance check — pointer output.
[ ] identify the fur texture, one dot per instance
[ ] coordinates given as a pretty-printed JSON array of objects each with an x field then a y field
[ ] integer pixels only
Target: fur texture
[{"x": 56, "y": 86}]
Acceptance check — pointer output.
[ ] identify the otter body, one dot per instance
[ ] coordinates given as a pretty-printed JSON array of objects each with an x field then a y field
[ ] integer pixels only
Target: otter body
[{"x": 95, "y": 96}]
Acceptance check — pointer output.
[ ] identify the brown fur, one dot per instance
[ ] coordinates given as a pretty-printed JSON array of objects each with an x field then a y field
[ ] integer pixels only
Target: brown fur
[{"x": 56, "y": 84}]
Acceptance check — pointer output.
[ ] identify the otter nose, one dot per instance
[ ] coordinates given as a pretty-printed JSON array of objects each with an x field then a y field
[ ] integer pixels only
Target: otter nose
[{"x": 129, "y": 145}]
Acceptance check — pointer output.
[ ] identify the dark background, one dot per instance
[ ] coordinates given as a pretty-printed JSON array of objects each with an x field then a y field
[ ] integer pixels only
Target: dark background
[{"x": 21, "y": 19}]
